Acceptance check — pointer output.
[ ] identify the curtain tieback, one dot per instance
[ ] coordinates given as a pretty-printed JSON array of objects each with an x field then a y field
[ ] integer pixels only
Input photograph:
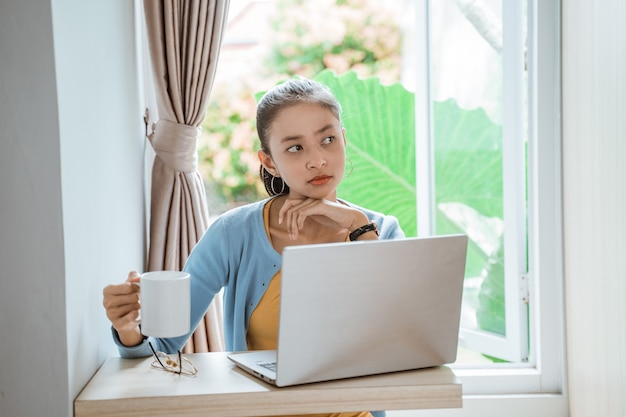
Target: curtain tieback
[{"x": 176, "y": 145}]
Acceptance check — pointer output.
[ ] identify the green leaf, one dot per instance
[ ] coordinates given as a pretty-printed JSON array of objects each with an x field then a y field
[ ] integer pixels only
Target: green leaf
[
  {"x": 468, "y": 158},
  {"x": 380, "y": 131},
  {"x": 468, "y": 171},
  {"x": 491, "y": 313}
]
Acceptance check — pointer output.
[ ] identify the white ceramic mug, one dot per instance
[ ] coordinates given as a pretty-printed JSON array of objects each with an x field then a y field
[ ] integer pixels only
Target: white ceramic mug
[{"x": 165, "y": 303}]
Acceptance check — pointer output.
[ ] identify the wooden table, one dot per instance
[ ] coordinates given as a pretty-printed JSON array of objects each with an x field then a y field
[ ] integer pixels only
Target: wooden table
[{"x": 130, "y": 387}]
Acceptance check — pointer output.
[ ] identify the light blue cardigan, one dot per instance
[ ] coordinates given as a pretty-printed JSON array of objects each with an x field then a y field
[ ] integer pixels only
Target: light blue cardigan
[{"x": 235, "y": 254}]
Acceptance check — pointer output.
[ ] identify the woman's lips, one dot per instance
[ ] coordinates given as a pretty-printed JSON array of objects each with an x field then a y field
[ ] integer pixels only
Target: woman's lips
[{"x": 320, "y": 180}]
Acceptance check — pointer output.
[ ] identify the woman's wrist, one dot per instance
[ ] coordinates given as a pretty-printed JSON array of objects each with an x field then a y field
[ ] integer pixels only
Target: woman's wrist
[
  {"x": 362, "y": 228},
  {"x": 130, "y": 338},
  {"x": 358, "y": 221}
]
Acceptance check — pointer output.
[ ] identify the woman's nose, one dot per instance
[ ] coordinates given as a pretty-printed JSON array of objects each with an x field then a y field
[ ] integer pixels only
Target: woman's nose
[{"x": 316, "y": 160}]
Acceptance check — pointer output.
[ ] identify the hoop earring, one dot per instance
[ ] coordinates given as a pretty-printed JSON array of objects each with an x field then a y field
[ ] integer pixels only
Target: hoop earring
[
  {"x": 282, "y": 183},
  {"x": 351, "y": 168}
]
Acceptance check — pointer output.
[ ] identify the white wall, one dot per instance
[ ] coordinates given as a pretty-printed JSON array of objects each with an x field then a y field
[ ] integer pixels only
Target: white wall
[
  {"x": 594, "y": 171},
  {"x": 71, "y": 192},
  {"x": 32, "y": 285}
]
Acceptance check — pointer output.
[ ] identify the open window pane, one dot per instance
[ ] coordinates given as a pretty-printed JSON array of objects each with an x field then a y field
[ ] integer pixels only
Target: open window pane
[{"x": 478, "y": 163}]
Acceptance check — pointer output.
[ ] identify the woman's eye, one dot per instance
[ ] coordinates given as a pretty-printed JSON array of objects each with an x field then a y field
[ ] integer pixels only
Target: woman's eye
[
  {"x": 294, "y": 148},
  {"x": 328, "y": 140}
]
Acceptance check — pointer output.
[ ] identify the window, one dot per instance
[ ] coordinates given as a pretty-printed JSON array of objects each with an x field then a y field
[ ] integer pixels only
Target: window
[{"x": 480, "y": 150}]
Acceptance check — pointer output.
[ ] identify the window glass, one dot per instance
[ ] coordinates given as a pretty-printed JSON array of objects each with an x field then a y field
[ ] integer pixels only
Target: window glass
[
  {"x": 456, "y": 145},
  {"x": 478, "y": 162}
]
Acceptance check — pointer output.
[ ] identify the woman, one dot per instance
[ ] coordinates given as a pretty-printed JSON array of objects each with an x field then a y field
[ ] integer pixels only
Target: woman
[{"x": 303, "y": 153}]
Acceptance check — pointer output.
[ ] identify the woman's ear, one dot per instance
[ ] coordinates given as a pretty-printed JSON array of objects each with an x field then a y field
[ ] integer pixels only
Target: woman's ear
[
  {"x": 267, "y": 163},
  {"x": 343, "y": 133}
]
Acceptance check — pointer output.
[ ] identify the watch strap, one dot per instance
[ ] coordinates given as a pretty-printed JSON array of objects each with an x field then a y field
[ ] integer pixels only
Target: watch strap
[{"x": 370, "y": 227}]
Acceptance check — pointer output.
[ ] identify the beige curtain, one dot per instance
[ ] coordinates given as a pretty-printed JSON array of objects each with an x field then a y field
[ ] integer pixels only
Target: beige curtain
[{"x": 184, "y": 38}]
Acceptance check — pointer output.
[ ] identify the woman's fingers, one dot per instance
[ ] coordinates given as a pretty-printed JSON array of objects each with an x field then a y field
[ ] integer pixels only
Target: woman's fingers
[
  {"x": 295, "y": 218},
  {"x": 295, "y": 215},
  {"x": 133, "y": 276},
  {"x": 123, "y": 317},
  {"x": 295, "y": 212},
  {"x": 121, "y": 302}
]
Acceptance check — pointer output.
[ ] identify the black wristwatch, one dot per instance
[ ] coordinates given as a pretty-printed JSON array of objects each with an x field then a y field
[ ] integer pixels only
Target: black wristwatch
[{"x": 370, "y": 227}]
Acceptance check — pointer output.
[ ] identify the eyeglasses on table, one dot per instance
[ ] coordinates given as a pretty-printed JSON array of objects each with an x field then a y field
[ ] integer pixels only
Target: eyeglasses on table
[{"x": 182, "y": 366}]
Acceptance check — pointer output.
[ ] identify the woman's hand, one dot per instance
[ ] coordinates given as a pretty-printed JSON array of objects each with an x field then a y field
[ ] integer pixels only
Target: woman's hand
[
  {"x": 294, "y": 212},
  {"x": 121, "y": 302}
]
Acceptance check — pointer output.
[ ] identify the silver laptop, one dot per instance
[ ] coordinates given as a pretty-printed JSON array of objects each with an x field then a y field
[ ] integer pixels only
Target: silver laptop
[{"x": 364, "y": 308}]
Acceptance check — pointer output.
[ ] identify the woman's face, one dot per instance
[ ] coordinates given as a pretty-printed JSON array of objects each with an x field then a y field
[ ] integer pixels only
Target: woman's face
[{"x": 308, "y": 149}]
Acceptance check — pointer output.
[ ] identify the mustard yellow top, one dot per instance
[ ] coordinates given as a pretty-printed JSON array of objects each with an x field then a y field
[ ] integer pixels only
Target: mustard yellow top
[{"x": 263, "y": 328}]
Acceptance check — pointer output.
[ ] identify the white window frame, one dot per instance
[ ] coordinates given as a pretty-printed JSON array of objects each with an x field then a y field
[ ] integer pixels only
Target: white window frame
[{"x": 540, "y": 382}]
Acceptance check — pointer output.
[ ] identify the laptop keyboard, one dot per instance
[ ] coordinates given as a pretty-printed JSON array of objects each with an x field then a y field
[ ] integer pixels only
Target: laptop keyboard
[{"x": 268, "y": 365}]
